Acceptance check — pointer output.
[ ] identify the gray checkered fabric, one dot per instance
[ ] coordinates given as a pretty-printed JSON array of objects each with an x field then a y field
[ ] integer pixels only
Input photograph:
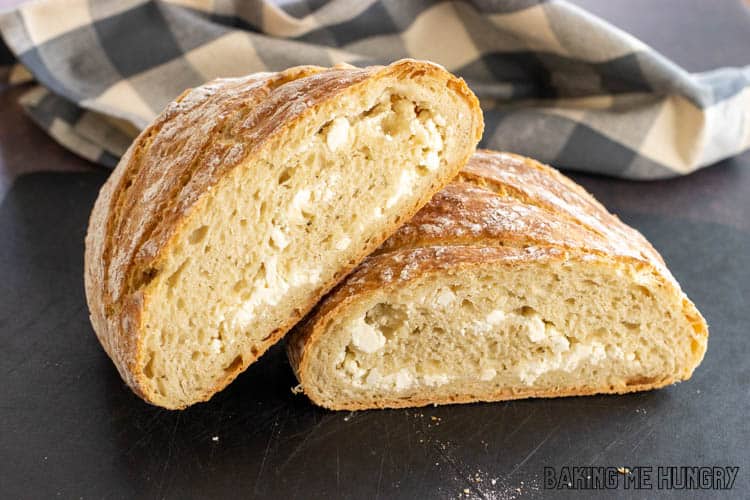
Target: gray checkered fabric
[{"x": 555, "y": 82}]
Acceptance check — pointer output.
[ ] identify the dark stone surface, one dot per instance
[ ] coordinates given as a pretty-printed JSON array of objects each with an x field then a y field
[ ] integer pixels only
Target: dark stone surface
[{"x": 70, "y": 428}]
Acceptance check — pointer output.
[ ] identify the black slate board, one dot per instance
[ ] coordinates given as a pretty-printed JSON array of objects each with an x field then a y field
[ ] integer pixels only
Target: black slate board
[{"x": 71, "y": 428}]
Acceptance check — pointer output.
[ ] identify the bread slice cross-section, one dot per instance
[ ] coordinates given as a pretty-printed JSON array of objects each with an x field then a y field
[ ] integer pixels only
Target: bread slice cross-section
[
  {"x": 513, "y": 282},
  {"x": 249, "y": 198}
]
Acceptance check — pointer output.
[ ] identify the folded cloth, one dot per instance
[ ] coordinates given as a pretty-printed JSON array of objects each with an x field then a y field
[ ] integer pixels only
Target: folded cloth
[{"x": 556, "y": 83}]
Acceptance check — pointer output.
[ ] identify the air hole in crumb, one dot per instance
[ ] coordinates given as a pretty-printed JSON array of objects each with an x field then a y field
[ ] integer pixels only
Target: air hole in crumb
[
  {"x": 198, "y": 235},
  {"x": 640, "y": 381},
  {"x": 254, "y": 351},
  {"x": 526, "y": 311},
  {"x": 148, "y": 370},
  {"x": 234, "y": 365},
  {"x": 570, "y": 301},
  {"x": 631, "y": 326},
  {"x": 195, "y": 355},
  {"x": 286, "y": 175},
  {"x": 243, "y": 222},
  {"x": 239, "y": 286},
  {"x": 468, "y": 306},
  {"x": 645, "y": 291},
  {"x": 175, "y": 276}
]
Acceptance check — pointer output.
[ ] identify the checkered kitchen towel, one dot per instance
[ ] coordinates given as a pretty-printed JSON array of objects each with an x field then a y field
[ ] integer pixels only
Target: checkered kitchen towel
[{"x": 555, "y": 82}]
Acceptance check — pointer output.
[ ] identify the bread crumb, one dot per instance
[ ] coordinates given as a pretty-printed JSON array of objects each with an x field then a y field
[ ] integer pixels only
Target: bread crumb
[
  {"x": 297, "y": 389},
  {"x": 215, "y": 438},
  {"x": 623, "y": 470}
]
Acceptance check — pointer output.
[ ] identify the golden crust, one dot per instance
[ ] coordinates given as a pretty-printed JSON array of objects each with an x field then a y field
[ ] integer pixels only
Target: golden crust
[
  {"x": 193, "y": 144},
  {"x": 502, "y": 210}
]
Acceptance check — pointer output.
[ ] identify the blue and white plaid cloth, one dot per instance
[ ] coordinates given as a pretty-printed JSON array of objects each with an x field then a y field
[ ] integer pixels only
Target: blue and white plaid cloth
[{"x": 555, "y": 82}]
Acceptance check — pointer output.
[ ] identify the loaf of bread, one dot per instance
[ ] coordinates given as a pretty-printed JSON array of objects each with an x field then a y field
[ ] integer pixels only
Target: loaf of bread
[
  {"x": 248, "y": 199},
  {"x": 513, "y": 282}
]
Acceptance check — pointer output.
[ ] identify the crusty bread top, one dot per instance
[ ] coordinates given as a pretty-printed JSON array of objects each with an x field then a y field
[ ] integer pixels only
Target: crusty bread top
[
  {"x": 506, "y": 199},
  {"x": 194, "y": 143},
  {"x": 501, "y": 208}
]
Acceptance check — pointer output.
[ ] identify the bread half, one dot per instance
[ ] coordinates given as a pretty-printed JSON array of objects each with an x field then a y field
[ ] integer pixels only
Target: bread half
[
  {"x": 249, "y": 198},
  {"x": 513, "y": 282}
]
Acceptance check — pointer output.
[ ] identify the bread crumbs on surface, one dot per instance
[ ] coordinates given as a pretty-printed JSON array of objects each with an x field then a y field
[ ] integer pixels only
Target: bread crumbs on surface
[
  {"x": 297, "y": 389},
  {"x": 623, "y": 470},
  {"x": 215, "y": 439}
]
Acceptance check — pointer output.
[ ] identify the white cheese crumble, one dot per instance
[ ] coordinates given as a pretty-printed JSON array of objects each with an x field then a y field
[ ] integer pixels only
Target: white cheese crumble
[
  {"x": 279, "y": 238},
  {"x": 352, "y": 367},
  {"x": 215, "y": 346},
  {"x": 366, "y": 338},
  {"x": 343, "y": 243},
  {"x": 429, "y": 137},
  {"x": 405, "y": 184},
  {"x": 431, "y": 160},
  {"x": 445, "y": 297},
  {"x": 535, "y": 329},
  {"x": 559, "y": 342},
  {"x": 338, "y": 133},
  {"x": 436, "y": 379},
  {"x": 568, "y": 361},
  {"x": 300, "y": 201},
  {"x": 496, "y": 317},
  {"x": 404, "y": 379},
  {"x": 305, "y": 277}
]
